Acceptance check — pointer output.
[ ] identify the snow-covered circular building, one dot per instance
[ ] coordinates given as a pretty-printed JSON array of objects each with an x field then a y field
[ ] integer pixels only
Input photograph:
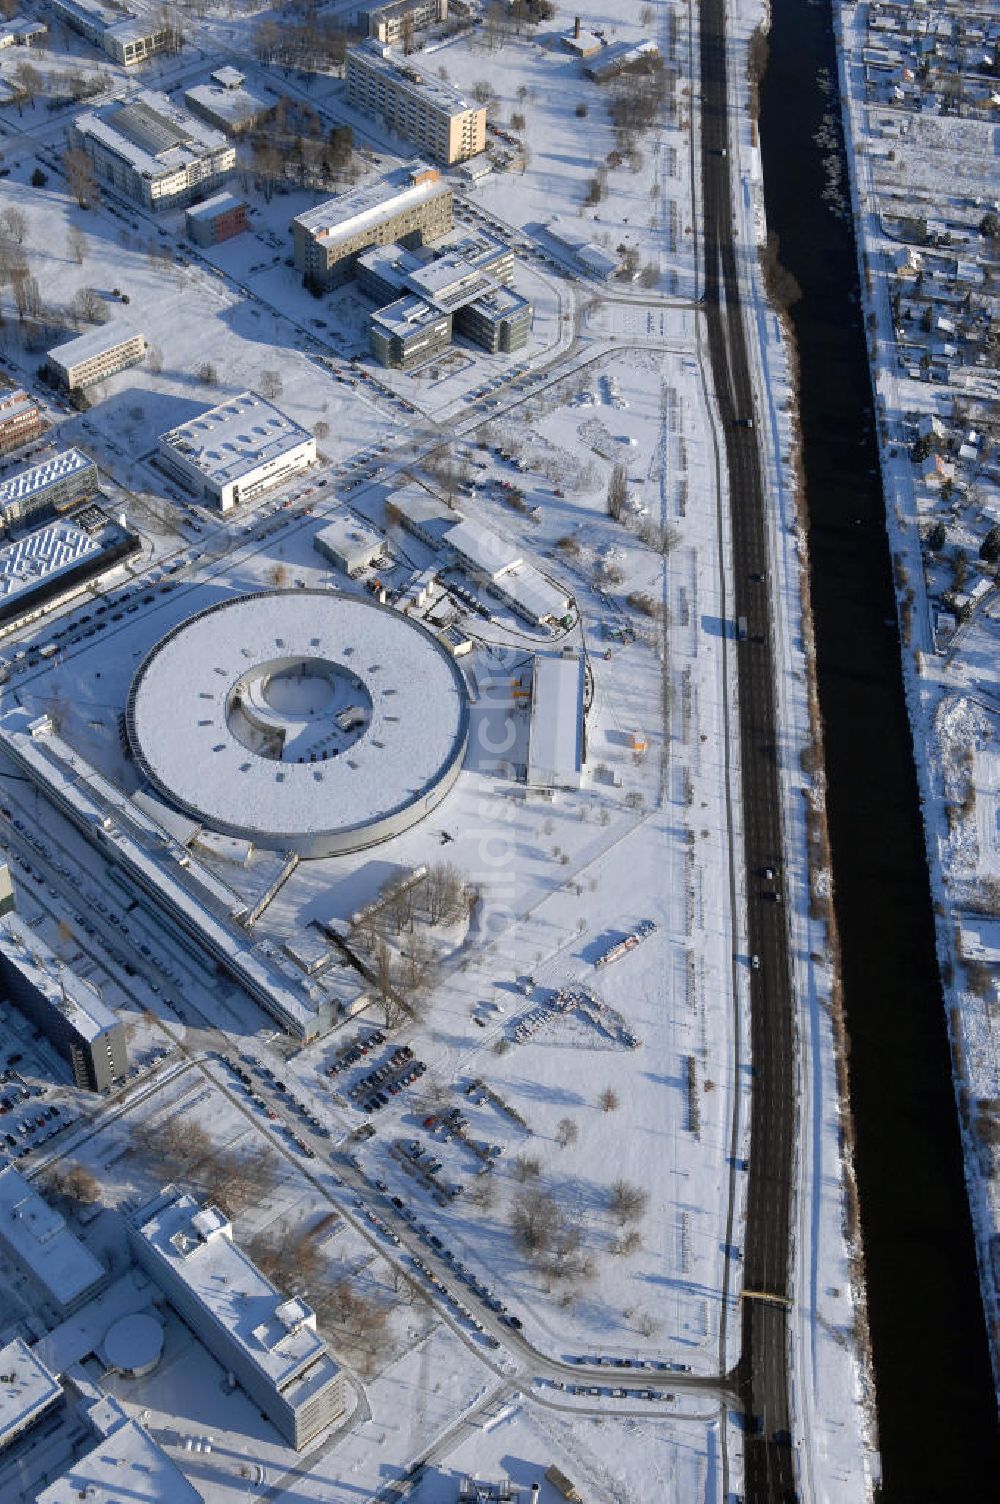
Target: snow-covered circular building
[{"x": 302, "y": 720}]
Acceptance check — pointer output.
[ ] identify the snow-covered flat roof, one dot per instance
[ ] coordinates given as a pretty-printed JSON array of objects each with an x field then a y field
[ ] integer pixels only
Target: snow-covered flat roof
[
  {"x": 276, "y": 1335},
  {"x": 534, "y": 595},
  {"x": 404, "y": 71},
  {"x": 27, "y": 1389},
  {"x": 407, "y": 315},
  {"x": 555, "y": 739},
  {"x": 347, "y": 536},
  {"x": 38, "y": 477},
  {"x": 419, "y": 510},
  {"x": 43, "y": 555},
  {"x": 219, "y": 203},
  {"x": 95, "y": 341},
  {"x": 231, "y": 103},
  {"x": 181, "y": 718},
  {"x": 241, "y": 434},
  {"x": 40, "y": 1239},
  {"x": 81, "y": 1004},
  {"x": 348, "y": 214},
  {"x": 125, "y": 1465},
  {"x": 482, "y": 548}
]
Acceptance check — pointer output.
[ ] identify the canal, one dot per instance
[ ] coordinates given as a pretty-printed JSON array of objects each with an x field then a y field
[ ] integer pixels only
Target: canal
[{"x": 936, "y": 1405}]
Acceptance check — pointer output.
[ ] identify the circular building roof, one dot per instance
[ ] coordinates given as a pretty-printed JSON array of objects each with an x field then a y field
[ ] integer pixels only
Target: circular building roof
[
  {"x": 302, "y": 720},
  {"x": 133, "y": 1344}
]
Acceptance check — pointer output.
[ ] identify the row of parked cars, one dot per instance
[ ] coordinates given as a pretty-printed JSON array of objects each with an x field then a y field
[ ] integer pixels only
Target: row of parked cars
[
  {"x": 373, "y": 1091},
  {"x": 350, "y": 1054}
]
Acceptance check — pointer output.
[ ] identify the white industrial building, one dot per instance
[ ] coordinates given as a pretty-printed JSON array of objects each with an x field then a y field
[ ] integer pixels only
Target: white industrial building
[
  {"x": 233, "y": 452},
  {"x": 349, "y": 543},
  {"x": 124, "y": 37},
  {"x": 37, "y": 1242},
  {"x": 421, "y": 514},
  {"x": 557, "y": 733},
  {"x": 97, "y": 354},
  {"x": 269, "y": 1344},
  {"x": 152, "y": 151},
  {"x": 27, "y": 1390},
  {"x": 519, "y": 585}
]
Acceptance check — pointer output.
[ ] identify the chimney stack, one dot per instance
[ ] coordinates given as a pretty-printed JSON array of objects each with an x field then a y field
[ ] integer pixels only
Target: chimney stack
[{"x": 576, "y": 28}]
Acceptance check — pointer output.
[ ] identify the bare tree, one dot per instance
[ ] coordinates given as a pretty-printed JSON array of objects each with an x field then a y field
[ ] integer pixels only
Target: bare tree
[
  {"x": 525, "y": 1167},
  {"x": 154, "y": 358},
  {"x": 321, "y": 429},
  {"x": 628, "y": 1202},
  {"x": 608, "y": 1100},
  {"x": 77, "y": 244},
  {"x": 80, "y": 177},
  {"x": 208, "y": 374},
  {"x": 442, "y": 893},
  {"x": 27, "y": 297},
  {"x": 88, "y": 305},
  {"x": 535, "y": 1220},
  {"x": 14, "y": 225},
  {"x": 28, "y": 80},
  {"x": 271, "y": 384},
  {"x": 566, "y": 1132},
  {"x": 617, "y": 492}
]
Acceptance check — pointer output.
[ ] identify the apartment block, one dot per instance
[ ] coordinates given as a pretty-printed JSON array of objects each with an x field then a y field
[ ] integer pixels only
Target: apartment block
[
  {"x": 411, "y": 205},
  {"x": 69, "y": 1011},
  {"x": 96, "y": 355},
  {"x": 269, "y": 1344},
  {"x": 415, "y": 105},
  {"x": 20, "y": 420},
  {"x": 152, "y": 151},
  {"x": 397, "y": 22},
  {"x": 408, "y": 332}
]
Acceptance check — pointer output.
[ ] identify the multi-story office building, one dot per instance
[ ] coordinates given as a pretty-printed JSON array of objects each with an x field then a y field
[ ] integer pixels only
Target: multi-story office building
[
  {"x": 28, "y": 1391},
  {"x": 497, "y": 321},
  {"x": 123, "y": 1463},
  {"x": 153, "y": 152},
  {"x": 269, "y": 1344},
  {"x": 35, "y": 1240},
  {"x": 416, "y": 105},
  {"x": 69, "y": 1011},
  {"x": 233, "y": 452},
  {"x": 126, "y": 38},
  {"x": 410, "y": 205},
  {"x": 52, "y": 486},
  {"x": 397, "y": 21},
  {"x": 217, "y": 219},
  {"x": 406, "y": 333},
  {"x": 20, "y": 420},
  {"x": 96, "y": 355}
]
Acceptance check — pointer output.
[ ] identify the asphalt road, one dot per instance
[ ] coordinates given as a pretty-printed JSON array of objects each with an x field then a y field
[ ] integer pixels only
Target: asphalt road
[{"x": 763, "y": 1368}]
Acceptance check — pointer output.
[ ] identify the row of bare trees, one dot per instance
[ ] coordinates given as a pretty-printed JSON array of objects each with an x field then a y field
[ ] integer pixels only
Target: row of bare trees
[{"x": 182, "y": 1151}]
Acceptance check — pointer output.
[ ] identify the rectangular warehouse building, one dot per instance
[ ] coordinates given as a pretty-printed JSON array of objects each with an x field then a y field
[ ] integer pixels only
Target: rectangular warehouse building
[
  {"x": 227, "y": 104},
  {"x": 57, "y": 559},
  {"x": 233, "y": 452},
  {"x": 35, "y": 1240},
  {"x": 418, "y": 106},
  {"x": 20, "y": 420},
  {"x": 556, "y": 745},
  {"x": 96, "y": 355},
  {"x": 349, "y": 543},
  {"x": 410, "y": 205},
  {"x": 70, "y": 1012},
  {"x": 153, "y": 152},
  {"x": 55, "y": 485},
  {"x": 269, "y": 1344},
  {"x": 218, "y": 218}
]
